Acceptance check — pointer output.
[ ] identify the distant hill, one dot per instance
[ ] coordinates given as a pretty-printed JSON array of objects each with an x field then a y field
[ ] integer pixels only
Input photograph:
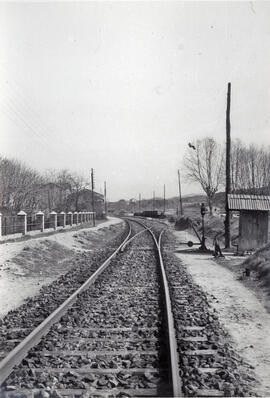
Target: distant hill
[{"x": 132, "y": 205}]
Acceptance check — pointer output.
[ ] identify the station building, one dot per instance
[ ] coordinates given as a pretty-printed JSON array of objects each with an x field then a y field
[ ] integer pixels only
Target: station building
[{"x": 253, "y": 220}]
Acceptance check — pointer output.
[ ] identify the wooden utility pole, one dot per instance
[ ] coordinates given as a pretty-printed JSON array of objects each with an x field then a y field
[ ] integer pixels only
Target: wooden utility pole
[
  {"x": 228, "y": 168},
  {"x": 93, "y": 202},
  {"x": 105, "y": 198},
  {"x": 180, "y": 195},
  {"x": 140, "y": 202},
  {"x": 164, "y": 199},
  {"x": 49, "y": 201},
  {"x": 154, "y": 198}
]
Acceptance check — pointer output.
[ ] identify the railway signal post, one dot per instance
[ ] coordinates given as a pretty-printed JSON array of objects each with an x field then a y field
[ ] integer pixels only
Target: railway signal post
[{"x": 203, "y": 211}]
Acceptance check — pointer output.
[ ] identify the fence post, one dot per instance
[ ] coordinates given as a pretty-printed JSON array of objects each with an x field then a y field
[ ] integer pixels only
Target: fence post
[
  {"x": 70, "y": 218},
  {"x": 22, "y": 221},
  {"x": 84, "y": 216},
  {"x": 63, "y": 221},
  {"x": 40, "y": 220},
  {"x": 53, "y": 220},
  {"x": 79, "y": 217},
  {"x": 0, "y": 224},
  {"x": 75, "y": 217}
]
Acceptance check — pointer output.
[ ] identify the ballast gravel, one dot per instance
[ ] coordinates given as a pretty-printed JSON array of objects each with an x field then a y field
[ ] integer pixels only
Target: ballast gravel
[
  {"x": 208, "y": 361},
  {"x": 125, "y": 296},
  {"x": 208, "y": 364},
  {"x": 17, "y": 324}
]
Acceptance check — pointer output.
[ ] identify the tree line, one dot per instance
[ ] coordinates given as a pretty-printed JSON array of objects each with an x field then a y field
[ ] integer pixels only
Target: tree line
[
  {"x": 204, "y": 163},
  {"x": 22, "y": 187}
]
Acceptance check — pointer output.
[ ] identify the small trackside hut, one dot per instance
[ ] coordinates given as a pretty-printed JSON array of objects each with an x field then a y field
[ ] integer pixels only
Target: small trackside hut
[{"x": 253, "y": 219}]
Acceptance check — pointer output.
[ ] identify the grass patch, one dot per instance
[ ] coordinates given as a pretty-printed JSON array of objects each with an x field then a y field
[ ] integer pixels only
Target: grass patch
[{"x": 260, "y": 263}]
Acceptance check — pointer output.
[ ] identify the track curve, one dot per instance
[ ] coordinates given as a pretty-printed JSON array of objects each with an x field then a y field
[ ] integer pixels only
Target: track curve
[
  {"x": 21, "y": 350},
  {"x": 34, "y": 338}
]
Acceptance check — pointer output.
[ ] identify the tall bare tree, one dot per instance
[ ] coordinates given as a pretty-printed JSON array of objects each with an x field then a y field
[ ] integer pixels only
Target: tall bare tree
[
  {"x": 69, "y": 188},
  {"x": 22, "y": 188},
  {"x": 237, "y": 160},
  {"x": 204, "y": 164},
  {"x": 78, "y": 185},
  {"x": 250, "y": 168},
  {"x": 18, "y": 184}
]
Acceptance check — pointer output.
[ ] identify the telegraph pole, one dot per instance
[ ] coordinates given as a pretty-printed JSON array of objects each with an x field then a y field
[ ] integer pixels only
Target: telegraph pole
[
  {"x": 140, "y": 202},
  {"x": 154, "y": 200},
  {"x": 105, "y": 198},
  {"x": 164, "y": 199},
  {"x": 93, "y": 203},
  {"x": 180, "y": 195},
  {"x": 228, "y": 168}
]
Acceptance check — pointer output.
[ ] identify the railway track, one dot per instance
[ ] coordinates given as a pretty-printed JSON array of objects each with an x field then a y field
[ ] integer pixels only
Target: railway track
[
  {"x": 20, "y": 322},
  {"x": 139, "y": 327},
  {"x": 113, "y": 339}
]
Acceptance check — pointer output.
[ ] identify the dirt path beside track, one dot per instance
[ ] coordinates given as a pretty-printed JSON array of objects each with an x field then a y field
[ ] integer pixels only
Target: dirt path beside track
[{"x": 239, "y": 309}]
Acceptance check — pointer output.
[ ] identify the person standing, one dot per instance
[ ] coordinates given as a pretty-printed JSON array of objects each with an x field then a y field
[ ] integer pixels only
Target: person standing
[{"x": 217, "y": 249}]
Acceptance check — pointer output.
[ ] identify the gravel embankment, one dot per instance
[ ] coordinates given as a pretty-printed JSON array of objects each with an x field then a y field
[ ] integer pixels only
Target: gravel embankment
[
  {"x": 19, "y": 323},
  {"x": 110, "y": 339}
]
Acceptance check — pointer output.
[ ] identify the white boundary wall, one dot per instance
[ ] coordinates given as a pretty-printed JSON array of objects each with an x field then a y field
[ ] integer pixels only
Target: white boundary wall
[{"x": 66, "y": 220}]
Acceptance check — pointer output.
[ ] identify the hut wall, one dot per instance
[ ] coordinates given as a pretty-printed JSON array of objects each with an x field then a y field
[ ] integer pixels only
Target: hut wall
[{"x": 253, "y": 229}]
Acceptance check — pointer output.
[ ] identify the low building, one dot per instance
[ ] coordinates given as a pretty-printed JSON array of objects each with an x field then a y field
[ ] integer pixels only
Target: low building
[
  {"x": 253, "y": 219},
  {"x": 82, "y": 201}
]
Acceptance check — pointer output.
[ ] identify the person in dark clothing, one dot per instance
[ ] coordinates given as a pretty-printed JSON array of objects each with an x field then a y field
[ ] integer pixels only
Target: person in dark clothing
[{"x": 217, "y": 249}]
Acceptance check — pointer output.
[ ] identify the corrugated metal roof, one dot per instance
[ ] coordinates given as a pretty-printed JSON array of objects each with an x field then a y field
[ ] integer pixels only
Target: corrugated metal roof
[{"x": 248, "y": 202}]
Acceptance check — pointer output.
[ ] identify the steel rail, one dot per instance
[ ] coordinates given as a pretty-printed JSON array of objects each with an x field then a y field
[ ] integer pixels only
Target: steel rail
[
  {"x": 151, "y": 219},
  {"x": 20, "y": 351},
  {"x": 131, "y": 239},
  {"x": 174, "y": 358},
  {"x": 172, "y": 344}
]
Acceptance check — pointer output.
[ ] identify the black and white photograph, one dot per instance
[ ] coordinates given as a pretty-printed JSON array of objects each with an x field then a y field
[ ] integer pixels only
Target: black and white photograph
[{"x": 134, "y": 199}]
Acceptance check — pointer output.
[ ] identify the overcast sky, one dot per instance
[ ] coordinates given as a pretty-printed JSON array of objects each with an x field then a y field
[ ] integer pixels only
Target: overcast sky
[{"x": 124, "y": 86}]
